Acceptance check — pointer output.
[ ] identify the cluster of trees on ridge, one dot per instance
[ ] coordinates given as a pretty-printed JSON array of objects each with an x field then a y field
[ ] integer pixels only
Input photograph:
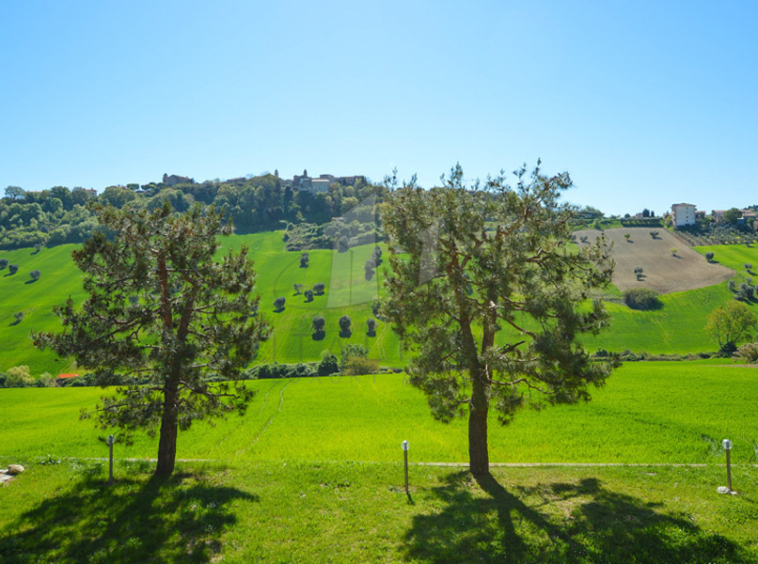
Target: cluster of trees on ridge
[{"x": 263, "y": 203}]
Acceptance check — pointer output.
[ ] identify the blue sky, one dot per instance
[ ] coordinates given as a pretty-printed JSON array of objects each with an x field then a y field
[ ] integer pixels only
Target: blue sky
[{"x": 644, "y": 103}]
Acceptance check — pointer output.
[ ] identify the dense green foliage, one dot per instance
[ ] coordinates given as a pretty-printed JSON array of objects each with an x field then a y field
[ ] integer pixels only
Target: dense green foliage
[
  {"x": 59, "y": 215},
  {"x": 642, "y": 298},
  {"x": 188, "y": 326},
  {"x": 455, "y": 285}
]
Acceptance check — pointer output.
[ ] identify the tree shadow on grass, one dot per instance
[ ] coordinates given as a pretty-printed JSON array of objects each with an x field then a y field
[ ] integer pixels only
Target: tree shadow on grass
[
  {"x": 179, "y": 519},
  {"x": 557, "y": 522}
]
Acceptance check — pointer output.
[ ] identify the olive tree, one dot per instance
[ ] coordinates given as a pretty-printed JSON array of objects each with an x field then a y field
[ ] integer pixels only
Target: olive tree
[
  {"x": 513, "y": 340},
  {"x": 730, "y": 324},
  {"x": 187, "y": 336}
]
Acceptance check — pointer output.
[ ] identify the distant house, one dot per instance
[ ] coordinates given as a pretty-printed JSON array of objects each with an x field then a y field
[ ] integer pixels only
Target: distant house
[
  {"x": 62, "y": 377},
  {"x": 175, "y": 179},
  {"x": 683, "y": 214}
]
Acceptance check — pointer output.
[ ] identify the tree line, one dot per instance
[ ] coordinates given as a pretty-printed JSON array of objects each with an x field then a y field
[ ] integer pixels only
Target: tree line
[{"x": 263, "y": 203}]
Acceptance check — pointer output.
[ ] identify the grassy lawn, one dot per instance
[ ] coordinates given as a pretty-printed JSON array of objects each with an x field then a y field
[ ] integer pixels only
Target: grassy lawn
[
  {"x": 358, "y": 512},
  {"x": 649, "y": 412}
]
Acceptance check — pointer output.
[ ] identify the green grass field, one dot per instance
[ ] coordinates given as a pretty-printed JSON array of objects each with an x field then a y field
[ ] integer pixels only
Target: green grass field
[
  {"x": 652, "y": 412},
  {"x": 733, "y": 256},
  {"x": 358, "y": 512},
  {"x": 676, "y": 328},
  {"x": 313, "y": 473}
]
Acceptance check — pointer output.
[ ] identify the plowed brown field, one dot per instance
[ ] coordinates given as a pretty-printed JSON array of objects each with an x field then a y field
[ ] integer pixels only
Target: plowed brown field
[{"x": 662, "y": 271}]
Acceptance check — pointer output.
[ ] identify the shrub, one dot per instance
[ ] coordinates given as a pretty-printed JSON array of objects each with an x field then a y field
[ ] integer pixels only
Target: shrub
[
  {"x": 19, "y": 316},
  {"x": 13, "y": 268},
  {"x": 329, "y": 364},
  {"x": 642, "y": 299},
  {"x": 351, "y": 351},
  {"x": 276, "y": 370},
  {"x": 345, "y": 322},
  {"x": 279, "y": 303},
  {"x": 358, "y": 366},
  {"x": 319, "y": 288},
  {"x": 371, "y": 327},
  {"x": 375, "y": 308},
  {"x": 748, "y": 266},
  {"x": 654, "y": 234},
  {"x": 3, "y": 263},
  {"x": 747, "y": 353},
  {"x": 627, "y": 236},
  {"x": 638, "y": 272},
  {"x": 304, "y": 259},
  {"x": 732, "y": 285},
  {"x": 674, "y": 251},
  {"x": 35, "y": 274},
  {"x": 298, "y": 288},
  {"x": 19, "y": 377},
  {"x": 308, "y": 295},
  {"x": 709, "y": 256}
]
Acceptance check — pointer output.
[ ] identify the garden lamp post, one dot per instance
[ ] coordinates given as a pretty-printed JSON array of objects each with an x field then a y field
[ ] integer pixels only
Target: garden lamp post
[
  {"x": 727, "y": 444},
  {"x": 406, "y": 446},
  {"x": 110, "y": 440}
]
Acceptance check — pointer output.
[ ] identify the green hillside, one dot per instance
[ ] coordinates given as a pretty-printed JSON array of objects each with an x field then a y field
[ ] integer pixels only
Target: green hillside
[
  {"x": 676, "y": 328},
  {"x": 652, "y": 412}
]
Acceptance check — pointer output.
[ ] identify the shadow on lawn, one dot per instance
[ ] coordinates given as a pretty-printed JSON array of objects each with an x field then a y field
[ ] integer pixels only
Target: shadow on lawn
[
  {"x": 557, "y": 523},
  {"x": 155, "y": 520}
]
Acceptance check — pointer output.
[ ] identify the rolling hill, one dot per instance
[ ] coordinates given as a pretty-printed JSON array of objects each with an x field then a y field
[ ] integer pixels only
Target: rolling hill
[{"x": 675, "y": 328}]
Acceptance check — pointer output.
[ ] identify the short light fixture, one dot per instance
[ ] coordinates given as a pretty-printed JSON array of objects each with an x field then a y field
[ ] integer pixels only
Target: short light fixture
[
  {"x": 727, "y": 444},
  {"x": 406, "y": 446}
]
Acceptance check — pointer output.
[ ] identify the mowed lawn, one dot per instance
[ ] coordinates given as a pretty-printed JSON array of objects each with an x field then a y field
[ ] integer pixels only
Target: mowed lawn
[
  {"x": 358, "y": 512},
  {"x": 651, "y": 412}
]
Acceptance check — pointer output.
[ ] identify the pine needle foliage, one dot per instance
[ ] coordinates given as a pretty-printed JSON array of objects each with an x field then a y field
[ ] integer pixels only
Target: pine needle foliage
[
  {"x": 185, "y": 336},
  {"x": 469, "y": 262}
]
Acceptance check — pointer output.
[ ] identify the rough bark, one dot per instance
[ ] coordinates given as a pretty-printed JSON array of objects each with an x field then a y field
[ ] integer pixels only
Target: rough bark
[
  {"x": 478, "y": 451},
  {"x": 169, "y": 430}
]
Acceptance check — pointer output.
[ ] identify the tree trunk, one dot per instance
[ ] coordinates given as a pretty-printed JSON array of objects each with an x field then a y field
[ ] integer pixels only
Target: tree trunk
[
  {"x": 478, "y": 451},
  {"x": 169, "y": 429}
]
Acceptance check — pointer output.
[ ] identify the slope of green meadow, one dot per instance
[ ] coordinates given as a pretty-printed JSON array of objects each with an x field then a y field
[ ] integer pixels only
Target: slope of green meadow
[
  {"x": 651, "y": 412},
  {"x": 675, "y": 328}
]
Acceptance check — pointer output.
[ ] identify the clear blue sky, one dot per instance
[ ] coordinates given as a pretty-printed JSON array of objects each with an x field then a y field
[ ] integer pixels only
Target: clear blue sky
[{"x": 644, "y": 103}]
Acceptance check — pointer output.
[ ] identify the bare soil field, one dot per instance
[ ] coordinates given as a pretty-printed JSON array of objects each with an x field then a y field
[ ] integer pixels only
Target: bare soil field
[{"x": 663, "y": 271}]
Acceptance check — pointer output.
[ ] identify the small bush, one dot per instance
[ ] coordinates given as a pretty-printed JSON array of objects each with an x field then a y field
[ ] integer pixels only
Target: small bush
[
  {"x": 709, "y": 256},
  {"x": 13, "y": 268},
  {"x": 642, "y": 299},
  {"x": 308, "y": 295},
  {"x": 3, "y": 263},
  {"x": 279, "y": 303},
  {"x": 35, "y": 274},
  {"x": 747, "y": 353},
  {"x": 319, "y": 288},
  {"x": 304, "y": 259},
  {"x": 371, "y": 327}
]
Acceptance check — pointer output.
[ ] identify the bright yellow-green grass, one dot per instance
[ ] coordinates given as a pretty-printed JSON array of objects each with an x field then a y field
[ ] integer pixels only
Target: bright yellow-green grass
[
  {"x": 60, "y": 278},
  {"x": 651, "y": 412},
  {"x": 733, "y": 256}
]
